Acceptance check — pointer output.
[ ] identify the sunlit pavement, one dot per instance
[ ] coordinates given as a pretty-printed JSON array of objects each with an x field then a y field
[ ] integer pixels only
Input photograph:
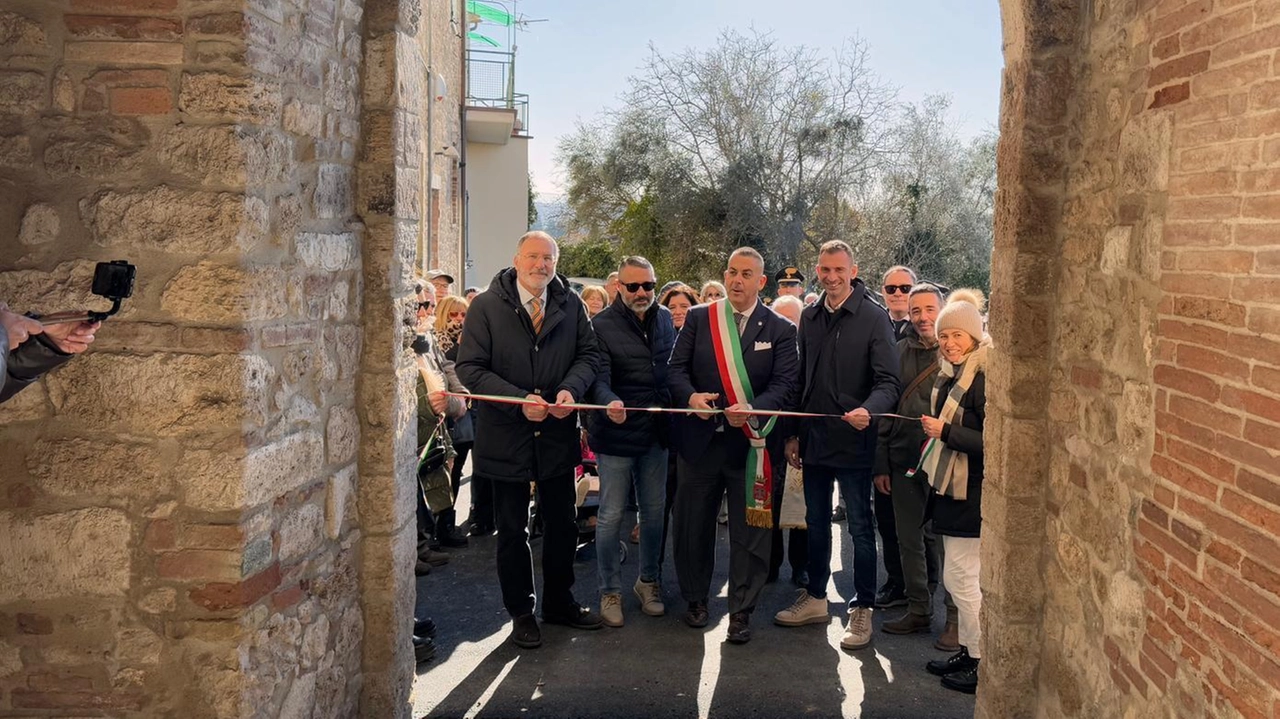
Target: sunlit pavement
[{"x": 658, "y": 667}]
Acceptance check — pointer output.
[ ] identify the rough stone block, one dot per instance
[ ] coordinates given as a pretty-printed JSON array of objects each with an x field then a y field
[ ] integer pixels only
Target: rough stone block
[
  {"x": 218, "y": 96},
  {"x": 83, "y": 552},
  {"x": 209, "y": 155},
  {"x": 172, "y": 220},
  {"x": 338, "y": 499},
  {"x": 342, "y": 435},
  {"x": 65, "y": 286},
  {"x": 15, "y": 152},
  {"x": 162, "y": 394},
  {"x": 127, "y": 53},
  {"x": 301, "y": 532},
  {"x": 220, "y": 480},
  {"x": 39, "y": 225},
  {"x": 17, "y": 31},
  {"x": 300, "y": 700},
  {"x": 22, "y": 93},
  {"x": 85, "y": 470},
  {"x": 213, "y": 293},
  {"x": 331, "y": 252},
  {"x": 334, "y": 192}
]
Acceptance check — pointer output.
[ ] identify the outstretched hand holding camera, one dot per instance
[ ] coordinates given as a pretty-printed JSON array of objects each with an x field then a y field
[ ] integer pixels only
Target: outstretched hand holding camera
[{"x": 17, "y": 327}]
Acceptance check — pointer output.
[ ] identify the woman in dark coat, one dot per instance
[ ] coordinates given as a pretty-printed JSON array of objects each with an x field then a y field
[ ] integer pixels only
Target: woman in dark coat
[{"x": 953, "y": 460}]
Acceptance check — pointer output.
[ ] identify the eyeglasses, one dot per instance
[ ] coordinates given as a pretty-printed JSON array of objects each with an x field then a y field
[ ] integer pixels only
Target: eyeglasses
[
  {"x": 637, "y": 286},
  {"x": 426, "y": 306},
  {"x": 891, "y": 289}
]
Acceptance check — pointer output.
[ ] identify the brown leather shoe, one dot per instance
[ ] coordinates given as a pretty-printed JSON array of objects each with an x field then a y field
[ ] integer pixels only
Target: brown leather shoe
[
  {"x": 907, "y": 624},
  {"x": 949, "y": 640},
  {"x": 739, "y": 628},
  {"x": 696, "y": 615}
]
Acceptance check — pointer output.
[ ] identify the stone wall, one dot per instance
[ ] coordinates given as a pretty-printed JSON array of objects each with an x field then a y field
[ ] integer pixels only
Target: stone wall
[
  {"x": 179, "y": 528},
  {"x": 1131, "y": 561}
]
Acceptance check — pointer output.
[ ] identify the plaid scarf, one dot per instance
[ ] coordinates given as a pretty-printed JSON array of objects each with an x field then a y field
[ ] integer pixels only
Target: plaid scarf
[{"x": 948, "y": 469}]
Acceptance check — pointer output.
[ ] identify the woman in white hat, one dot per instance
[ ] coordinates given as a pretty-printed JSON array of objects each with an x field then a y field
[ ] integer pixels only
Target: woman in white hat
[{"x": 953, "y": 460}]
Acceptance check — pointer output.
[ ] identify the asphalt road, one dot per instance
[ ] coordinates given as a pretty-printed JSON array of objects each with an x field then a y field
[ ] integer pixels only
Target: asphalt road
[{"x": 656, "y": 666}]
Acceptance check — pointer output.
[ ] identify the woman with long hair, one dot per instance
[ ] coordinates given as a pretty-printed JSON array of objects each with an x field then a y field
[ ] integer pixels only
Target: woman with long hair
[
  {"x": 952, "y": 459},
  {"x": 451, "y": 311}
]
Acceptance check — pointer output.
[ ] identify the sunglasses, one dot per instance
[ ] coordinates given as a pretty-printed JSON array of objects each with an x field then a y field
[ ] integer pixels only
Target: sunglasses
[
  {"x": 426, "y": 306},
  {"x": 637, "y": 286},
  {"x": 891, "y": 289}
]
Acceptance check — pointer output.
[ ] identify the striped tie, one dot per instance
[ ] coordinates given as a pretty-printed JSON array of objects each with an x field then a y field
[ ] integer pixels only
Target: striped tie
[{"x": 535, "y": 314}]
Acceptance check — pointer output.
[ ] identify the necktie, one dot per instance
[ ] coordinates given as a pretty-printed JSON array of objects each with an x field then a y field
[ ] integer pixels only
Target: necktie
[
  {"x": 535, "y": 314},
  {"x": 739, "y": 318}
]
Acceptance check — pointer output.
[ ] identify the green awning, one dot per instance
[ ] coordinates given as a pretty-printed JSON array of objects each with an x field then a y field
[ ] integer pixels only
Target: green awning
[
  {"x": 483, "y": 39},
  {"x": 489, "y": 13}
]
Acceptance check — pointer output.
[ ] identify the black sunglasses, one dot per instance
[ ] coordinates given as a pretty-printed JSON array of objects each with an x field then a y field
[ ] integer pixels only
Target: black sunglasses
[
  {"x": 636, "y": 286},
  {"x": 426, "y": 306},
  {"x": 891, "y": 289}
]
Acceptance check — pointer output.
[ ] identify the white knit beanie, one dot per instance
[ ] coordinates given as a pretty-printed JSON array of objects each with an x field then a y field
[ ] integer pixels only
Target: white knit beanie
[{"x": 963, "y": 312}]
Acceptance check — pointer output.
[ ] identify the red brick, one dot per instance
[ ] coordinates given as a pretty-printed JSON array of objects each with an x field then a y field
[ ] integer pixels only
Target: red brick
[
  {"x": 1230, "y": 77},
  {"x": 1181, "y": 475},
  {"x": 1195, "y": 284},
  {"x": 1211, "y": 108},
  {"x": 1222, "y": 156},
  {"x": 1229, "y": 529},
  {"x": 1189, "y": 14},
  {"x": 1181, "y": 380},
  {"x": 1263, "y": 435},
  {"x": 159, "y": 535},
  {"x": 230, "y": 23},
  {"x": 1205, "y": 183},
  {"x": 1205, "y": 208},
  {"x": 141, "y": 6},
  {"x": 219, "y": 596},
  {"x": 1266, "y": 207},
  {"x": 1167, "y": 665},
  {"x": 1265, "y": 578},
  {"x": 1210, "y": 310},
  {"x": 1186, "y": 534},
  {"x": 1167, "y": 543},
  {"x": 1265, "y": 95},
  {"x": 1228, "y": 555},
  {"x": 28, "y": 623},
  {"x": 1086, "y": 377},
  {"x": 1181, "y": 67},
  {"x": 1155, "y": 514},
  {"x": 1265, "y": 608},
  {"x": 1264, "y": 320},
  {"x": 1214, "y": 364},
  {"x": 1265, "y": 488},
  {"x": 1268, "y": 262},
  {"x": 1163, "y": 496},
  {"x": 123, "y": 27},
  {"x": 141, "y": 101},
  {"x": 213, "y": 339},
  {"x": 1225, "y": 261},
  {"x": 1246, "y": 452},
  {"x": 1153, "y": 673},
  {"x": 129, "y": 78},
  {"x": 1260, "y": 181},
  {"x": 198, "y": 564},
  {"x": 286, "y": 598},
  {"x": 1265, "y": 378},
  {"x": 51, "y": 682},
  {"x": 1178, "y": 431},
  {"x": 1197, "y": 234},
  {"x": 1211, "y": 599},
  {"x": 1257, "y": 233},
  {"x": 1217, "y": 29},
  {"x": 1254, "y": 403},
  {"x": 1260, "y": 125},
  {"x": 1205, "y": 460},
  {"x": 1166, "y": 47},
  {"x": 1171, "y": 95},
  {"x": 211, "y": 536},
  {"x": 1151, "y": 554}
]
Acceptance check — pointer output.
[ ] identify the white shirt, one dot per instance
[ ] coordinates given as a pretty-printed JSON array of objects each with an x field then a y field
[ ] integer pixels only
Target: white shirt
[
  {"x": 746, "y": 316},
  {"x": 526, "y": 297}
]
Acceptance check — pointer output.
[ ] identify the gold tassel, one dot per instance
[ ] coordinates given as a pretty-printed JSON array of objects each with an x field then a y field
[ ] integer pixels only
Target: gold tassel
[{"x": 760, "y": 518}]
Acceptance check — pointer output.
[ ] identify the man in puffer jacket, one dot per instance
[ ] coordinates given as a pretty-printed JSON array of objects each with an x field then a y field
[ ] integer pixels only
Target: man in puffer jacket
[
  {"x": 529, "y": 337},
  {"x": 636, "y": 336}
]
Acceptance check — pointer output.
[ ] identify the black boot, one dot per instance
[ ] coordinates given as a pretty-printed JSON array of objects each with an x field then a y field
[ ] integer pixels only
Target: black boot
[
  {"x": 963, "y": 681},
  {"x": 958, "y": 662},
  {"x": 424, "y": 649}
]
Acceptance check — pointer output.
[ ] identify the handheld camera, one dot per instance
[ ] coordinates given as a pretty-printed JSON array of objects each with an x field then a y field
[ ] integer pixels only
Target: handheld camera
[{"x": 112, "y": 280}]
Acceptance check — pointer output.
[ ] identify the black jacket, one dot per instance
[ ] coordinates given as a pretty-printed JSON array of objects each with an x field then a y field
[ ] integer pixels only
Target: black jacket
[
  {"x": 500, "y": 355},
  {"x": 26, "y": 363},
  {"x": 769, "y": 353},
  {"x": 633, "y": 368},
  {"x": 849, "y": 359},
  {"x": 950, "y": 517},
  {"x": 901, "y": 440}
]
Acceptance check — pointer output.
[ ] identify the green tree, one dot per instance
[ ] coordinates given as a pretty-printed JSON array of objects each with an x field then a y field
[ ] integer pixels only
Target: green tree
[
  {"x": 533, "y": 206},
  {"x": 588, "y": 258}
]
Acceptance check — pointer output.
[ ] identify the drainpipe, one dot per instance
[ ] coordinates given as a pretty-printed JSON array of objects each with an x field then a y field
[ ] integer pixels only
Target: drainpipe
[
  {"x": 464, "y": 241},
  {"x": 431, "y": 146}
]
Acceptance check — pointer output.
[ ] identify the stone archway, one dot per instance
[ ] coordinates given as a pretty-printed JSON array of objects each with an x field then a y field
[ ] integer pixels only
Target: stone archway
[{"x": 209, "y": 515}]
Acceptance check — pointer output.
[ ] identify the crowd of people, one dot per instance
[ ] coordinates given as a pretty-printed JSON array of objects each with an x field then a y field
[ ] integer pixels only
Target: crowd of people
[{"x": 889, "y": 383}]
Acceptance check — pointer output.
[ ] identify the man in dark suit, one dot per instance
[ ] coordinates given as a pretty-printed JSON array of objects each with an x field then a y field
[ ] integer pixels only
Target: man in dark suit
[
  {"x": 529, "y": 337},
  {"x": 714, "y": 449}
]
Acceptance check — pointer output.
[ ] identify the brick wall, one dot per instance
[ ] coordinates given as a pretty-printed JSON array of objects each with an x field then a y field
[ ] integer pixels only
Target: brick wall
[
  {"x": 1136, "y": 295},
  {"x": 179, "y": 521}
]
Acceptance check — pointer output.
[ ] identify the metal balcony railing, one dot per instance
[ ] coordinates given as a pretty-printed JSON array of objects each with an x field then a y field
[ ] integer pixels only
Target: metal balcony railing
[{"x": 491, "y": 83}]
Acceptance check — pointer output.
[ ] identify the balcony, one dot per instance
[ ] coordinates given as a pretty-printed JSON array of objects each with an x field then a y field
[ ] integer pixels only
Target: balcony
[{"x": 495, "y": 111}]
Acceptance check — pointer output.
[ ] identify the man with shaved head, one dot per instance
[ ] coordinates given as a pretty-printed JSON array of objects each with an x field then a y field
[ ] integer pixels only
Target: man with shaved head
[{"x": 528, "y": 337}]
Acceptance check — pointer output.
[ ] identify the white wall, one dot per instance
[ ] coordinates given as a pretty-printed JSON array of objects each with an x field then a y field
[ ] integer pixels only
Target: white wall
[{"x": 498, "y": 196}]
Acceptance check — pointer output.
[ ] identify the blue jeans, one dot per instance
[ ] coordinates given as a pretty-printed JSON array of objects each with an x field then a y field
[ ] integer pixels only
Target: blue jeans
[
  {"x": 649, "y": 473},
  {"x": 855, "y": 488}
]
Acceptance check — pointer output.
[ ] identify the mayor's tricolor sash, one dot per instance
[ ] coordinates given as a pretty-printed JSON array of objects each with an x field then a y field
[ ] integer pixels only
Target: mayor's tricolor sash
[{"x": 737, "y": 388}]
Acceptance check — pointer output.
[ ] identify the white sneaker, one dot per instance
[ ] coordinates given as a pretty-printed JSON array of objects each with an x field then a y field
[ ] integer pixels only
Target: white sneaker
[
  {"x": 650, "y": 594},
  {"x": 611, "y": 609},
  {"x": 858, "y": 634},
  {"x": 581, "y": 489},
  {"x": 807, "y": 609}
]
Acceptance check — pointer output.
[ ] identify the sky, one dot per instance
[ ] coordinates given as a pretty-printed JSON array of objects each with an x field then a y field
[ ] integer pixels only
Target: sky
[{"x": 577, "y": 63}]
